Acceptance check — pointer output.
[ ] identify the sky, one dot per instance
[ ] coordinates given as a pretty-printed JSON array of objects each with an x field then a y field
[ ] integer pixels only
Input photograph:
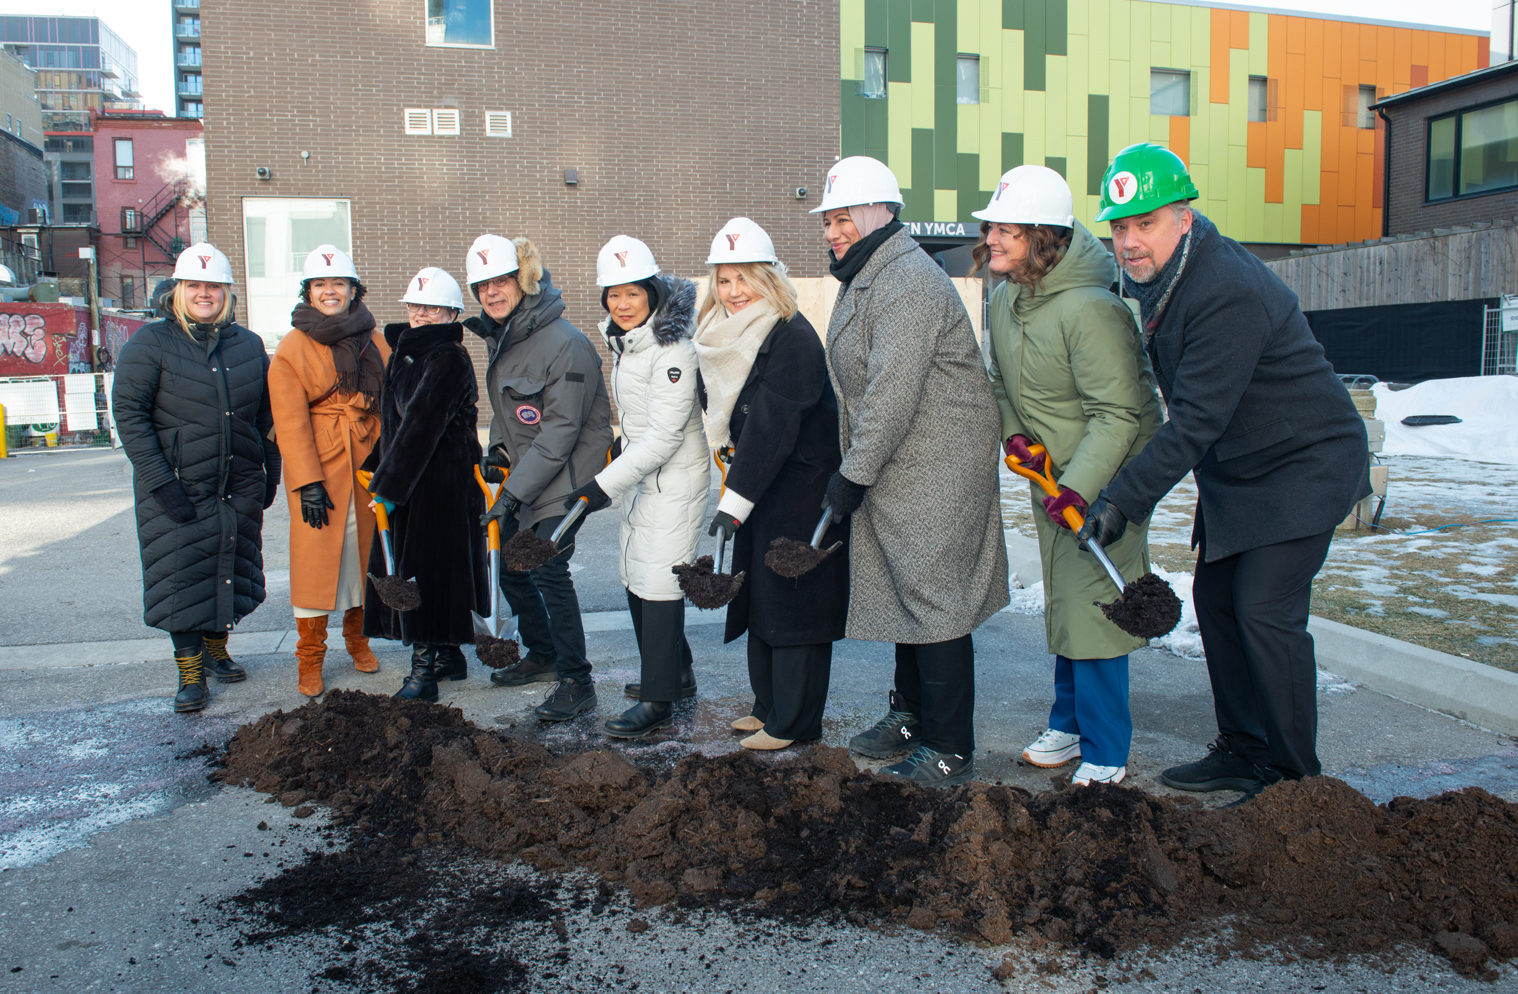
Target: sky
[{"x": 146, "y": 26}]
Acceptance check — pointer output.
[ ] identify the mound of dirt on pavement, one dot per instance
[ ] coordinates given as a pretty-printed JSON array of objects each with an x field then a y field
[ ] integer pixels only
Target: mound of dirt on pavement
[{"x": 1311, "y": 866}]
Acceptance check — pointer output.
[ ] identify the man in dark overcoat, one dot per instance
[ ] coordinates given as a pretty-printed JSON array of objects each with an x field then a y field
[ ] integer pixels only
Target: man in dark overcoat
[{"x": 1277, "y": 448}]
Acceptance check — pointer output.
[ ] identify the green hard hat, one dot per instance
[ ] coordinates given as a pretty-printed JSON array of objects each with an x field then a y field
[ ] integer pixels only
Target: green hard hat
[{"x": 1144, "y": 177}]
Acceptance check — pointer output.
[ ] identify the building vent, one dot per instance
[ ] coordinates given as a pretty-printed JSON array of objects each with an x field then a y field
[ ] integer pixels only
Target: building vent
[
  {"x": 445, "y": 121},
  {"x": 498, "y": 124},
  {"x": 418, "y": 121}
]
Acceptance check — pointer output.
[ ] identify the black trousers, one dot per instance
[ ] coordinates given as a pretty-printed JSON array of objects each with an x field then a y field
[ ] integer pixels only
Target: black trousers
[
  {"x": 1252, "y": 610},
  {"x": 192, "y": 641},
  {"x": 790, "y": 686},
  {"x": 660, "y": 629},
  {"x": 548, "y": 608},
  {"x": 937, "y": 681}
]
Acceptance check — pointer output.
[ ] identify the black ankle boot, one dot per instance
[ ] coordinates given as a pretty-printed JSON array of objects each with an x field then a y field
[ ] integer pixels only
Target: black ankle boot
[
  {"x": 220, "y": 665},
  {"x": 640, "y": 719},
  {"x": 687, "y": 686},
  {"x": 422, "y": 683},
  {"x": 451, "y": 664},
  {"x": 193, "y": 693}
]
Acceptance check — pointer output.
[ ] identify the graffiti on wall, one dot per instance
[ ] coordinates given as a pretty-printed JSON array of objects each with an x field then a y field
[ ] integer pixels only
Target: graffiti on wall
[
  {"x": 23, "y": 336},
  {"x": 53, "y": 339}
]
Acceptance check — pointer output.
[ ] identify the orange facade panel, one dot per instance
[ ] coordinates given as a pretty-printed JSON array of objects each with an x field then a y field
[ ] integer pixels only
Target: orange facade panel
[
  {"x": 1294, "y": 94},
  {"x": 1312, "y": 66},
  {"x": 1217, "y": 88},
  {"x": 1180, "y": 138},
  {"x": 1238, "y": 29},
  {"x": 1255, "y": 157},
  {"x": 1275, "y": 161},
  {"x": 1333, "y": 51},
  {"x": 1402, "y": 59},
  {"x": 1483, "y": 52},
  {"x": 1296, "y": 35},
  {"x": 1310, "y": 224}
]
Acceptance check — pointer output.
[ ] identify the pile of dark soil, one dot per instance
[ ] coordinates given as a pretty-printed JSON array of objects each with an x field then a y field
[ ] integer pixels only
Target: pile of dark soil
[
  {"x": 791, "y": 558},
  {"x": 396, "y": 593},
  {"x": 1311, "y": 866},
  {"x": 705, "y": 588},
  {"x": 497, "y": 653},
  {"x": 525, "y": 550},
  {"x": 1148, "y": 608}
]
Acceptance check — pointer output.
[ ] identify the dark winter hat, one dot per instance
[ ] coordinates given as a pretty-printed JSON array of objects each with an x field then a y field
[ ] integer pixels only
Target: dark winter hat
[{"x": 653, "y": 286}]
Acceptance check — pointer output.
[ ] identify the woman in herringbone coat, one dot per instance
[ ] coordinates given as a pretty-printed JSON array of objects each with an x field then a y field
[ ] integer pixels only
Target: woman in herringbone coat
[{"x": 919, "y": 428}]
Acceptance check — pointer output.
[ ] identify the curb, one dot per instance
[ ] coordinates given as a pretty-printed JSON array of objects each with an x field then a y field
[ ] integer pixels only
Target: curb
[{"x": 1474, "y": 692}]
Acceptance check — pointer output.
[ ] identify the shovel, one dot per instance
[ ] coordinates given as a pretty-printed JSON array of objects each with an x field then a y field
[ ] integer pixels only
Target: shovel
[
  {"x": 525, "y": 551},
  {"x": 704, "y": 582},
  {"x": 792, "y": 559},
  {"x": 1148, "y": 608},
  {"x": 402, "y": 596},
  {"x": 494, "y": 640}
]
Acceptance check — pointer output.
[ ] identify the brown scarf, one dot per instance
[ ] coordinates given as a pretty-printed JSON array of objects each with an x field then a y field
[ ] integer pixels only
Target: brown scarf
[{"x": 359, "y": 366}]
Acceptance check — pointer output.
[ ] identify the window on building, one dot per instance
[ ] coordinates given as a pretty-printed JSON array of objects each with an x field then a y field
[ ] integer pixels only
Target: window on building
[
  {"x": 189, "y": 55},
  {"x": 7, "y": 122},
  {"x": 193, "y": 108},
  {"x": 1170, "y": 92},
  {"x": 188, "y": 27},
  {"x": 873, "y": 74},
  {"x": 461, "y": 23},
  {"x": 967, "y": 79},
  {"x": 277, "y": 234},
  {"x": 1259, "y": 98},
  {"x": 123, "y": 158},
  {"x": 189, "y": 84},
  {"x": 76, "y": 213},
  {"x": 1473, "y": 152},
  {"x": 74, "y": 170},
  {"x": 77, "y": 191},
  {"x": 1366, "y": 116},
  {"x": 128, "y": 292}
]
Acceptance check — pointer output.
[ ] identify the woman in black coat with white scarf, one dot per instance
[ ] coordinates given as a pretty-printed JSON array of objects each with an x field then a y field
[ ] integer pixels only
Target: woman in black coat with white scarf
[{"x": 765, "y": 388}]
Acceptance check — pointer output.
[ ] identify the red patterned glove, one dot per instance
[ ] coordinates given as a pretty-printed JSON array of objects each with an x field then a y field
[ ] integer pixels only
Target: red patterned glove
[
  {"x": 1018, "y": 448},
  {"x": 1056, "y": 505}
]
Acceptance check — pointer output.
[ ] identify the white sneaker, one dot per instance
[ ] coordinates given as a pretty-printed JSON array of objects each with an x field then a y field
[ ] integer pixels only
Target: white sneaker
[
  {"x": 1090, "y": 773},
  {"x": 1053, "y": 749}
]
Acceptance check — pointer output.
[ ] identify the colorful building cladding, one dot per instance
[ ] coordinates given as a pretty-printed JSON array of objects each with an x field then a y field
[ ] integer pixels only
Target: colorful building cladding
[{"x": 1270, "y": 111}]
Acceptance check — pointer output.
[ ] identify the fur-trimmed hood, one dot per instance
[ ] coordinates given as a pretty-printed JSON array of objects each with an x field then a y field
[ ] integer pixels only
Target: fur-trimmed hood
[
  {"x": 530, "y": 266},
  {"x": 675, "y": 319}
]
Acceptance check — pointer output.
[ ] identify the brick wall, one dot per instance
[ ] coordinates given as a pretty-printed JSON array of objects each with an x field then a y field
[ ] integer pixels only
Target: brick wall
[
  {"x": 1408, "y": 212},
  {"x": 677, "y": 115},
  {"x": 23, "y": 178}
]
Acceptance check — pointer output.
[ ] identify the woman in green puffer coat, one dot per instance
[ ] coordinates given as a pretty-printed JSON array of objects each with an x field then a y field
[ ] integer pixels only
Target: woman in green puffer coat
[{"x": 1070, "y": 374}]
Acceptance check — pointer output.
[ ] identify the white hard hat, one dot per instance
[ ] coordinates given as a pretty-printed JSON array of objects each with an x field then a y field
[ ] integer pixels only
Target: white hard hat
[
  {"x": 490, "y": 256},
  {"x": 857, "y": 180},
  {"x": 434, "y": 287},
  {"x": 741, "y": 240},
  {"x": 624, "y": 259},
  {"x": 203, "y": 262},
  {"x": 328, "y": 260},
  {"x": 1030, "y": 195}
]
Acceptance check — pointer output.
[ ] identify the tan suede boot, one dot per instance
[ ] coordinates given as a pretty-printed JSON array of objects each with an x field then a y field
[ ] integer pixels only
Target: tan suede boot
[
  {"x": 358, "y": 646},
  {"x": 310, "y": 651}
]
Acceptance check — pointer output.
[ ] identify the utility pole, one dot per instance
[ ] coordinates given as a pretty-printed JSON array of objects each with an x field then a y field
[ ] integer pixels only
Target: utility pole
[{"x": 88, "y": 252}]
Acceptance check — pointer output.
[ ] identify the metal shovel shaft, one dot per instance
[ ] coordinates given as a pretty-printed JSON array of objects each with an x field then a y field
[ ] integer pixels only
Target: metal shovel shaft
[
  {"x": 1107, "y": 564},
  {"x": 822, "y": 526},
  {"x": 721, "y": 552},
  {"x": 569, "y": 519}
]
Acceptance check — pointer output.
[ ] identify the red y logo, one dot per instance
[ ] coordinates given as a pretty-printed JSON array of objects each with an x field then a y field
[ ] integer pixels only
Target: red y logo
[
  {"x": 732, "y": 243},
  {"x": 830, "y": 183},
  {"x": 1118, "y": 182},
  {"x": 484, "y": 255},
  {"x": 622, "y": 258},
  {"x": 328, "y": 256},
  {"x": 1002, "y": 188},
  {"x": 421, "y": 283},
  {"x": 203, "y": 260}
]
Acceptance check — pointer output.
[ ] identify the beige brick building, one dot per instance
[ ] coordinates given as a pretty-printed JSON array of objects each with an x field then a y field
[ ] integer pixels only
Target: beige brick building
[{"x": 674, "y": 117}]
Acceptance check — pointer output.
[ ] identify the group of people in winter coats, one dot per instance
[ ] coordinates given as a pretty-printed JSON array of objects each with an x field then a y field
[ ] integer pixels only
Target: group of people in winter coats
[{"x": 891, "y": 431}]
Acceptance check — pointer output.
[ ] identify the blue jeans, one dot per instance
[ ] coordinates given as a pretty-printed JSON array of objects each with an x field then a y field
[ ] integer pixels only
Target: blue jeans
[
  {"x": 1091, "y": 700},
  {"x": 548, "y": 609}
]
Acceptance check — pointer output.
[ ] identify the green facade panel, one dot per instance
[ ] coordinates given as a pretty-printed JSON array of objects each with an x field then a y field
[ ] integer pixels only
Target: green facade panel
[
  {"x": 851, "y": 117},
  {"x": 1096, "y": 143},
  {"x": 899, "y": 42},
  {"x": 918, "y": 204},
  {"x": 1011, "y": 150},
  {"x": 1056, "y": 163},
  {"x": 876, "y": 27}
]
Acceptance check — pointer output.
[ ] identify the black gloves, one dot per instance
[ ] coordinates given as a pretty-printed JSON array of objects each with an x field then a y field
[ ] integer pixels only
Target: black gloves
[
  {"x": 175, "y": 502},
  {"x": 843, "y": 495},
  {"x": 1104, "y": 522},
  {"x": 725, "y": 523},
  {"x": 314, "y": 503},
  {"x": 494, "y": 462},
  {"x": 616, "y": 449},
  {"x": 503, "y": 510},
  {"x": 271, "y": 487},
  {"x": 593, "y": 493}
]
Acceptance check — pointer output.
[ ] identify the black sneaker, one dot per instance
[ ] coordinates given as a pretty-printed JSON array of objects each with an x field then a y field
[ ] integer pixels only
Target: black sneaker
[
  {"x": 1220, "y": 769},
  {"x": 566, "y": 700},
  {"x": 892, "y": 735},
  {"x": 220, "y": 665},
  {"x": 933, "y": 769},
  {"x": 529, "y": 670}
]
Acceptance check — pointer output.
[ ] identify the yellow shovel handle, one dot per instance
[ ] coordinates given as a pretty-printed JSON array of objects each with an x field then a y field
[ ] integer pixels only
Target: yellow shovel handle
[
  {"x": 1072, "y": 517},
  {"x": 380, "y": 517},
  {"x": 493, "y": 530}
]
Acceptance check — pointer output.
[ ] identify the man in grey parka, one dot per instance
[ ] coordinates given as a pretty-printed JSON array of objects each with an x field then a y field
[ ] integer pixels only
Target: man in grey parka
[{"x": 551, "y": 428}]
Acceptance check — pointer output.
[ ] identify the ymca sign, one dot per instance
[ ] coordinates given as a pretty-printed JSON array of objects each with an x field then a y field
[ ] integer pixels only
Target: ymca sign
[{"x": 941, "y": 229}]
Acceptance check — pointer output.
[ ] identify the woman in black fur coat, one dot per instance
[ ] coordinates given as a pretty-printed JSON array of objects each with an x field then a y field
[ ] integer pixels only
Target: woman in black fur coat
[{"x": 423, "y": 468}]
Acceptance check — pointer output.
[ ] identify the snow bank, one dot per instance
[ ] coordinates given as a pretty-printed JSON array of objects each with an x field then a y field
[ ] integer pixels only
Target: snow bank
[{"x": 1487, "y": 406}]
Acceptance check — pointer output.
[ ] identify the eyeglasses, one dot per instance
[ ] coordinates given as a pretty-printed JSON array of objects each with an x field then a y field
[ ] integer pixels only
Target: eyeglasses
[
  {"x": 430, "y": 310},
  {"x": 499, "y": 283}
]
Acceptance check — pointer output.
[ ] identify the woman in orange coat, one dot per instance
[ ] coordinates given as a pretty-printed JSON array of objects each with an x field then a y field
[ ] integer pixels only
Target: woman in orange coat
[{"x": 324, "y": 385}]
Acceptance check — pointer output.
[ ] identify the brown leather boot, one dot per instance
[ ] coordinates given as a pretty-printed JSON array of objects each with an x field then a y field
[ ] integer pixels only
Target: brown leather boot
[
  {"x": 309, "y": 653},
  {"x": 358, "y": 646}
]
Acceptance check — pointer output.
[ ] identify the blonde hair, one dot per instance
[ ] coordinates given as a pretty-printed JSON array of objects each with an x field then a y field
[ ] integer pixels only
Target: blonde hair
[
  {"x": 181, "y": 307},
  {"x": 769, "y": 280}
]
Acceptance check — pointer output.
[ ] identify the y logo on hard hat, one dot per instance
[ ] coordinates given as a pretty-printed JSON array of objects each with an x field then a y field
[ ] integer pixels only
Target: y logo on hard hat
[
  {"x": 1000, "y": 189},
  {"x": 621, "y": 258},
  {"x": 203, "y": 260},
  {"x": 732, "y": 243},
  {"x": 1122, "y": 188},
  {"x": 831, "y": 178},
  {"x": 484, "y": 255},
  {"x": 421, "y": 283},
  {"x": 328, "y": 256}
]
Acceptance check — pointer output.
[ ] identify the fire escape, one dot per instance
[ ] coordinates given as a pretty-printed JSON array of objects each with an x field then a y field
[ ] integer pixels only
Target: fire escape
[{"x": 158, "y": 221}]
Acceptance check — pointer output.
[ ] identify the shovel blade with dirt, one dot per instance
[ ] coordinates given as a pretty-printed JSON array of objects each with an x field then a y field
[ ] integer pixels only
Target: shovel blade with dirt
[
  {"x": 399, "y": 595},
  {"x": 703, "y": 581},
  {"x": 526, "y": 551},
  {"x": 792, "y": 559},
  {"x": 1147, "y": 608}
]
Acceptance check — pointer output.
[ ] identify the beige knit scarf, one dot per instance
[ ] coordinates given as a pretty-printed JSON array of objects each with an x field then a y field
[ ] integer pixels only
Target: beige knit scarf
[{"x": 726, "y": 344}]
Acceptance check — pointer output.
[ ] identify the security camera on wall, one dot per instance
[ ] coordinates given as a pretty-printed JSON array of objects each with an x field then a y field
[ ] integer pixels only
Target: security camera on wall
[{"x": 263, "y": 172}]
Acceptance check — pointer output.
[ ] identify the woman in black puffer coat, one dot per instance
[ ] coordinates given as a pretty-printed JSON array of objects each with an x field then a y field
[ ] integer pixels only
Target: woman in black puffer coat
[{"x": 192, "y": 410}]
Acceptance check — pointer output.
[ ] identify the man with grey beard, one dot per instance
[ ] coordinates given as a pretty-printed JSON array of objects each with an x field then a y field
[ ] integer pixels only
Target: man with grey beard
[{"x": 1277, "y": 448}]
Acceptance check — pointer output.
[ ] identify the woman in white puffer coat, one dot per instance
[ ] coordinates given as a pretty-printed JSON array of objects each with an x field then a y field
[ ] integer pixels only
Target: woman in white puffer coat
[{"x": 661, "y": 473}]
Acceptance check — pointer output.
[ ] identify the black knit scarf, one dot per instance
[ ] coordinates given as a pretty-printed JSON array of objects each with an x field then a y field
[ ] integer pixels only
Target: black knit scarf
[
  {"x": 359, "y": 366},
  {"x": 1155, "y": 294},
  {"x": 856, "y": 255}
]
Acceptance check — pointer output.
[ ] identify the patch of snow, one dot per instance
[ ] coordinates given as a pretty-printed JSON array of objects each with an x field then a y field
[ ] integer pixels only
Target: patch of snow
[
  {"x": 1185, "y": 640},
  {"x": 1027, "y": 600},
  {"x": 1333, "y": 684},
  {"x": 1486, "y": 405}
]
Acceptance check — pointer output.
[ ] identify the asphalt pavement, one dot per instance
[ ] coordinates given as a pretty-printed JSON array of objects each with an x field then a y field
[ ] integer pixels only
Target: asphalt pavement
[{"x": 113, "y": 843}]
